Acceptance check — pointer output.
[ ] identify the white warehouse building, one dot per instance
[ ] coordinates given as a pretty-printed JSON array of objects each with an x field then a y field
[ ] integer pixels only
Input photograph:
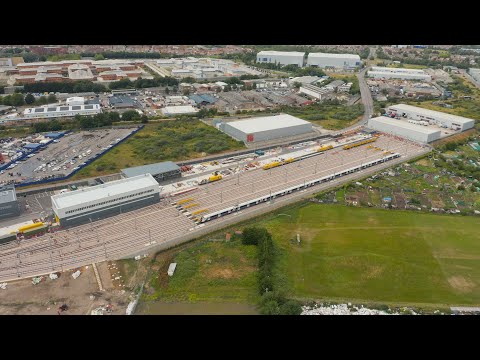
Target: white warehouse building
[
  {"x": 378, "y": 72},
  {"x": 61, "y": 111},
  {"x": 267, "y": 128},
  {"x": 339, "y": 61},
  {"x": 101, "y": 201},
  {"x": 419, "y": 133},
  {"x": 281, "y": 57},
  {"x": 433, "y": 117}
]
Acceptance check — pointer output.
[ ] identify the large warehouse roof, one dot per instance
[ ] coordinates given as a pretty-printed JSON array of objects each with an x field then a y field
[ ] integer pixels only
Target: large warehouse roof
[
  {"x": 281, "y": 53},
  {"x": 333, "y": 56},
  {"x": 178, "y": 110},
  {"x": 266, "y": 123},
  {"x": 104, "y": 191},
  {"x": 431, "y": 113},
  {"x": 404, "y": 124},
  {"x": 153, "y": 169},
  {"x": 7, "y": 194},
  {"x": 397, "y": 70}
]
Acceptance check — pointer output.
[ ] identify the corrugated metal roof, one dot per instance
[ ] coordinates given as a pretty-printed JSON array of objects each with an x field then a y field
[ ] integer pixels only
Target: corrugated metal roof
[
  {"x": 104, "y": 191},
  {"x": 334, "y": 56},
  {"x": 432, "y": 113},
  {"x": 266, "y": 123},
  {"x": 403, "y": 124},
  {"x": 153, "y": 169},
  {"x": 280, "y": 53},
  {"x": 7, "y": 194}
]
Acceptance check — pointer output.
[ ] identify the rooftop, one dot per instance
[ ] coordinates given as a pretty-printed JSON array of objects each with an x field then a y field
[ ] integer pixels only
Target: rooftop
[
  {"x": 7, "y": 194},
  {"x": 405, "y": 125},
  {"x": 153, "y": 169},
  {"x": 185, "y": 109},
  {"x": 104, "y": 191},
  {"x": 281, "y": 53},
  {"x": 334, "y": 56},
  {"x": 266, "y": 123},
  {"x": 431, "y": 113},
  {"x": 397, "y": 70}
]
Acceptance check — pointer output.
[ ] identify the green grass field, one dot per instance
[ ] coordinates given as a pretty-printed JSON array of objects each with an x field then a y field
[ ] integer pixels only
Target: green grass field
[
  {"x": 168, "y": 140},
  {"x": 378, "y": 255},
  {"x": 209, "y": 271}
]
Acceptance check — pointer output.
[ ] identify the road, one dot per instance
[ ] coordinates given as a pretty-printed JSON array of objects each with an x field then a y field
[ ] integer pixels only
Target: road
[
  {"x": 149, "y": 228},
  {"x": 467, "y": 76}
]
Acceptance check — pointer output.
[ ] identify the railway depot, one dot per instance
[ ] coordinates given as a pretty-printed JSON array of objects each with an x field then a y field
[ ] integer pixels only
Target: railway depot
[{"x": 96, "y": 202}]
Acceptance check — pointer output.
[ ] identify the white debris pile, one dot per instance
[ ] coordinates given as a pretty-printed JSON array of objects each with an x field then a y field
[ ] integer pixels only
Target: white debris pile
[
  {"x": 3, "y": 286},
  {"x": 37, "y": 280},
  {"x": 341, "y": 309},
  {"x": 53, "y": 276},
  {"x": 76, "y": 274}
]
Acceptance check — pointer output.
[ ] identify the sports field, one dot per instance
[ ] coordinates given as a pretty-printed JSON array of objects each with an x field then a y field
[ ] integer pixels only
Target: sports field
[{"x": 379, "y": 255}]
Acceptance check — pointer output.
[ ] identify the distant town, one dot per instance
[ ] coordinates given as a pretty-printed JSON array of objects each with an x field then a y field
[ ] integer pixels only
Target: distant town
[{"x": 182, "y": 178}]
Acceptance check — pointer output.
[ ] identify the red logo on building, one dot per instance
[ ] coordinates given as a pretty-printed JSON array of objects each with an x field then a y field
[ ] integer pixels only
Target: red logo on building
[{"x": 249, "y": 137}]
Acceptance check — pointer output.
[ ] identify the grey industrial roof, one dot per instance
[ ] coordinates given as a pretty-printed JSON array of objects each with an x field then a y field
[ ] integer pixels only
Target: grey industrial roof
[
  {"x": 428, "y": 112},
  {"x": 329, "y": 55},
  {"x": 153, "y": 169},
  {"x": 281, "y": 53},
  {"x": 104, "y": 191},
  {"x": 7, "y": 194},
  {"x": 266, "y": 123},
  {"x": 404, "y": 124}
]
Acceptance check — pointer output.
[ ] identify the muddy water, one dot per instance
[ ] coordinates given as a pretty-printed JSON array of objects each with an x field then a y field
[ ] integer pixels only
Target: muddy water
[{"x": 159, "y": 308}]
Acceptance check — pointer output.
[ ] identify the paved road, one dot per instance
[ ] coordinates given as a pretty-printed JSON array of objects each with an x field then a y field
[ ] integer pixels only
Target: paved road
[
  {"x": 146, "y": 229},
  {"x": 467, "y": 76}
]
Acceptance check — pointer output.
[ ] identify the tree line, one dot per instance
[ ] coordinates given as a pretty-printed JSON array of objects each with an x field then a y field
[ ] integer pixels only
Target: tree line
[{"x": 273, "y": 300}]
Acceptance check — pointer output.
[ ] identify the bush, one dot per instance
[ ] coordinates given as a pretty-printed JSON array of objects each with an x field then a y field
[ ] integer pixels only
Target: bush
[{"x": 252, "y": 235}]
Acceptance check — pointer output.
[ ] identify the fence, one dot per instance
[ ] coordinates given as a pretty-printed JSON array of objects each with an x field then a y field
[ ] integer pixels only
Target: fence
[
  {"x": 86, "y": 163},
  {"x": 256, "y": 212}
]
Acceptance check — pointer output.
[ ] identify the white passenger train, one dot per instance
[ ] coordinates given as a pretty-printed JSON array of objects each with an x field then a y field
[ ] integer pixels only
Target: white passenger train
[{"x": 247, "y": 204}]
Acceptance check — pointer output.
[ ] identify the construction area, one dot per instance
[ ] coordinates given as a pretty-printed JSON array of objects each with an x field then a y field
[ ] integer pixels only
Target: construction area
[{"x": 170, "y": 222}]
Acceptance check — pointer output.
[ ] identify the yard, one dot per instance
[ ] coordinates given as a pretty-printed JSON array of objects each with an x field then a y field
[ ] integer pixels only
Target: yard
[
  {"x": 168, "y": 140},
  {"x": 378, "y": 255}
]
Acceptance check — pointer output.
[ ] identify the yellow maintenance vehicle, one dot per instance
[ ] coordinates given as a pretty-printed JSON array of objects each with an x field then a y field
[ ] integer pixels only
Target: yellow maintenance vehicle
[
  {"x": 350, "y": 146},
  {"x": 324, "y": 148},
  {"x": 215, "y": 177},
  {"x": 199, "y": 211},
  {"x": 190, "y": 205},
  {"x": 271, "y": 165},
  {"x": 184, "y": 201},
  {"x": 21, "y": 229}
]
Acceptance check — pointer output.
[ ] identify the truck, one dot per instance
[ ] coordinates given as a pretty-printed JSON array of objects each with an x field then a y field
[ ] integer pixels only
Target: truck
[{"x": 215, "y": 177}]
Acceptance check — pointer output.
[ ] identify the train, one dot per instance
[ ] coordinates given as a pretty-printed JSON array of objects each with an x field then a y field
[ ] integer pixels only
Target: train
[
  {"x": 360, "y": 143},
  {"x": 281, "y": 162},
  {"x": 265, "y": 198}
]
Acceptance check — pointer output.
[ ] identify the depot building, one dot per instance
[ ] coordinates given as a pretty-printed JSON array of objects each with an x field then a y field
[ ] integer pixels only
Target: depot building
[{"x": 109, "y": 199}]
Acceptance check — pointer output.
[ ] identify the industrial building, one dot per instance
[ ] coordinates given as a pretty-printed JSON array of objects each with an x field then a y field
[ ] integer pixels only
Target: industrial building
[
  {"x": 122, "y": 102},
  {"x": 281, "y": 57},
  {"x": 441, "y": 119},
  {"x": 378, "y": 72},
  {"x": 419, "y": 133},
  {"x": 160, "y": 171},
  {"x": 8, "y": 202},
  {"x": 314, "y": 91},
  {"x": 338, "y": 61},
  {"x": 61, "y": 111},
  {"x": 267, "y": 128},
  {"x": 179, "y": 110},
  {"x": 109, "y": 199},
  {"x": 474, "y": 73}
]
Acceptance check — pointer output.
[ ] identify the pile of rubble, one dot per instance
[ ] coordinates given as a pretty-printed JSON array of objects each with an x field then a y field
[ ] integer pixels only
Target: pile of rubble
[{"x": 342, "y": 309}]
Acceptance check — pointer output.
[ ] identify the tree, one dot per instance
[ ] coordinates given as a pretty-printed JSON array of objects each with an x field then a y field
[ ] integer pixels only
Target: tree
[
  {"x": 99, "y": 57},
  {"x": 17, "y": 99},
  {"x": 270, "y": 308},
  {"x": 291, "y": 307},
  {"x": 144, "y": 119},
  {"x": 297, "y": 85},
  {"x": 167, "y": 90},
  {"x": 29, "y": 99},
  {"x": 252, "y": 235},
  {"x": 51, "y": 99}
]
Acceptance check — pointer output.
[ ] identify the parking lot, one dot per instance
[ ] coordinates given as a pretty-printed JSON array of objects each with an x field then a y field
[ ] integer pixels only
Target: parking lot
[{"x": 64, "y": 155}]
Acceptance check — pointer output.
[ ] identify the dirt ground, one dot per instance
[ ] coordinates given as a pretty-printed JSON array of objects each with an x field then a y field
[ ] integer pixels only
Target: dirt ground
[{"x": 81, "y": 295}]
